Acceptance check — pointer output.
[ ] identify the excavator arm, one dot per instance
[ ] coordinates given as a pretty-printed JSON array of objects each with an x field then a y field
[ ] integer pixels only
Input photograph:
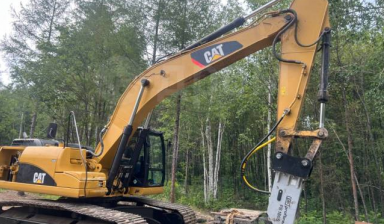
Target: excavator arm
[
  {"x": 189, "y": 66},
  {"x": 178, "y": 72},
  {"x": 62, "y": 170},
  {"x": 299, "y": 29}
]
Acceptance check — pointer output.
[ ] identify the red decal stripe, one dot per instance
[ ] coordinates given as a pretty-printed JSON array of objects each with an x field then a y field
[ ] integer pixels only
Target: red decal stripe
[{"x": 197, "y": 63}]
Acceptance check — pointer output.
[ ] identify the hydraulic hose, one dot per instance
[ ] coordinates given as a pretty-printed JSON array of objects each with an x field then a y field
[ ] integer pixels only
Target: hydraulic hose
[
  {"x": 244, "y": 164},
  {"x": 293, "y": 21},
  {"x": 255, "y": 149}
]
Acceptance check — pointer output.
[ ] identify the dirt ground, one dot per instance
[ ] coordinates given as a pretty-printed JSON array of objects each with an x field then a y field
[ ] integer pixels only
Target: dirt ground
[
  {"x": 9, "y": 195},
  {"x": 203, "y": 217}
]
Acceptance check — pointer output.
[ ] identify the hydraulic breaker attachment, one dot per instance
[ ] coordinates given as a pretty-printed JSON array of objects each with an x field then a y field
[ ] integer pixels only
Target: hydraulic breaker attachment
[{"x": 284, "y": 199}]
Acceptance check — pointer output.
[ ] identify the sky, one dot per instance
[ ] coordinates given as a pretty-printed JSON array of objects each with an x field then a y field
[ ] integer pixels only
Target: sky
[{"x": 6, "y": 28}]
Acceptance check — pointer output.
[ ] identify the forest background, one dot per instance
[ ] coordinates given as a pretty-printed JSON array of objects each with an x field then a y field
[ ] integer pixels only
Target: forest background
[{"x": 80, "y": 55}]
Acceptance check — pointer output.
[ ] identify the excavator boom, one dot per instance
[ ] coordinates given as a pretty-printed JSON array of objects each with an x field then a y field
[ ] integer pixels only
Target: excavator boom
[
  {"x": 181, "y": 70},
  {"x": 107, "y": 173},
  {"x": 189, "y": 66}
]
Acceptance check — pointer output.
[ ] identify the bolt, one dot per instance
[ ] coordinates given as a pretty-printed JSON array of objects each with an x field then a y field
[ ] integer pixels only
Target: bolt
[
  {"x": 288, "y": 17},
  {"x": 162, "y": 73},
  {"x": 321, "y": 133},
  {"x": 304, "y": 162},
  {"x": 144, "y": 82},
  {"x": 287, "y": 111},
  {"x": 282, "y": 133},
  {"x": 279, "y": 155}
]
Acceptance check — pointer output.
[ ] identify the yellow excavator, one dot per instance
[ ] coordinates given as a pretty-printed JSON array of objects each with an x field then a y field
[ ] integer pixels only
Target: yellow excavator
[{"x": 106, "y": 185}]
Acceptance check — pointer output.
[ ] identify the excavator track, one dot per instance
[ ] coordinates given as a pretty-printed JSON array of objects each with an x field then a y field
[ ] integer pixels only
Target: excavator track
[
  {"x": 186, "y": 212},
  {"x": 93, "y": 211}
]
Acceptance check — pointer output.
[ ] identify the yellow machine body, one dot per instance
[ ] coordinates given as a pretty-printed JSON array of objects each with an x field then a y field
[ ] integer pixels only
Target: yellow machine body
[{"x": 56, "y": 171}]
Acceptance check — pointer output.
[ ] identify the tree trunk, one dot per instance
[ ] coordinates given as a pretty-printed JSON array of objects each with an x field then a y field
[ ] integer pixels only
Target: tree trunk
[
  {"x": 212, "y": 175},
  {"x": 186, "y": 171},
  {"x": 269, "y": 168},
  {"x": 322, "y": 189},
  {"x": 218, "y": 157},
  {"x": 175, "y": 148},
  {"x": 350, "y": 156},
  {"x": 156, "y": 38},
  {"x": 208, "y": 137},
  {"x": 51, "y": 23},
  {"x": 21, "y": 125},
  {"x": 204, "y": 165},
  {"x": 33, "y": 125},
  {"x": 376, "y": 154},
  {"x": 362, "y": 198}
]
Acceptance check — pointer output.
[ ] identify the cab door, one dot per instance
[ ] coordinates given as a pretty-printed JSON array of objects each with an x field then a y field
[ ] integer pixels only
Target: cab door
[
  {"x": 149, "y": 170},
  {"x": 155, "y": 159}
]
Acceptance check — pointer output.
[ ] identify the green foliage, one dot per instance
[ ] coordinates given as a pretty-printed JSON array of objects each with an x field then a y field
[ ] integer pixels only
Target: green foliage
[
  {"x": 195, "y": 199},
  {"x": 49, "y": 197},
  {"x": 310, "y": 218},
  {"x": 84, "y": 67},
  {"x": 334, "y": 217}
]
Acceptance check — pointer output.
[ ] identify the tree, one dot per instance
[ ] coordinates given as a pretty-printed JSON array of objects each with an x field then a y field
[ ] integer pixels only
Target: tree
[{"x": 180, "y": 31}]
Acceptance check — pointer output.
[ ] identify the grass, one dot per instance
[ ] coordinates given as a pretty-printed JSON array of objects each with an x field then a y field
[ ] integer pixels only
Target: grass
[{"x": 49, "y": 197}]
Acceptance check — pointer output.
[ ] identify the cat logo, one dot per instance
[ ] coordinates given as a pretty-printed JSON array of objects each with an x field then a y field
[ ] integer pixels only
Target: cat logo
[
  {"x": 214, "y": 52},
  {"x": 38, "y": 178}
]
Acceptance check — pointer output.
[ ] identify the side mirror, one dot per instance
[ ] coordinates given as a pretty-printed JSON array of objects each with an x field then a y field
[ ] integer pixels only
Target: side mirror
[{"x": 52, "y": 129}]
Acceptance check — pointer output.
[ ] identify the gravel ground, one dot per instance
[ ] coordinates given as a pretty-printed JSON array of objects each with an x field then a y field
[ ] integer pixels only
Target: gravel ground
[{"x": 9, "y": 195}]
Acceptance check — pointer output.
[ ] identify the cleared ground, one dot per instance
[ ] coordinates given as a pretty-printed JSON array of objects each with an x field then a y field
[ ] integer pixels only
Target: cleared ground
[{"x": 9, "y": 195}]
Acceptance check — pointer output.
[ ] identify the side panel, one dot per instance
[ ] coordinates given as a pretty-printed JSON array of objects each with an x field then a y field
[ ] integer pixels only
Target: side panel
[
  {"x": 31, "y": 174},
  {"x": 53, "y": 190},
  {"x": 40, "y": 170},
  {"x": 144, "y": 191},
  {"x": 44, "y": 158}
]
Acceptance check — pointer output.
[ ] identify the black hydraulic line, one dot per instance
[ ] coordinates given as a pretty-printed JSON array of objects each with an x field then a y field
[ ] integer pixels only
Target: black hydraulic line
[
  {"x": 234, "y": 24},
  {"x": 119, "y": 154},
  {"x": 101, "y": 142},
  {"x": 242, "y": 171},
  {"x": 216, "y": 34},
  {"x": 322, "y": 96},
  {"x": 66, "y": 140},
  {"x": 135, "y": 157},
  {"x": 225, "y": 29},
  {"x": 285, "y": 28},
  {"x": 295, "y": 21},
  {"x": 297, "y": 39}
]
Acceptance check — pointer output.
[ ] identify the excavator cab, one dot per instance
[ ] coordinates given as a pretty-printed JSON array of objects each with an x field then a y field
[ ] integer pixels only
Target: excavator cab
[{"x": 143, "y": 161}]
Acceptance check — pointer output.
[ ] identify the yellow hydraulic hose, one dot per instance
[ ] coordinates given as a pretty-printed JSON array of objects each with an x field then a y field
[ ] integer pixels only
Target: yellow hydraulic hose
[{"x": 245, "y": 160}]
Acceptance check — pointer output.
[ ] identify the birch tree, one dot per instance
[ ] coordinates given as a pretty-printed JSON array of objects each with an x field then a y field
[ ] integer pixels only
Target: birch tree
[{"x": 211, "y": 165}]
